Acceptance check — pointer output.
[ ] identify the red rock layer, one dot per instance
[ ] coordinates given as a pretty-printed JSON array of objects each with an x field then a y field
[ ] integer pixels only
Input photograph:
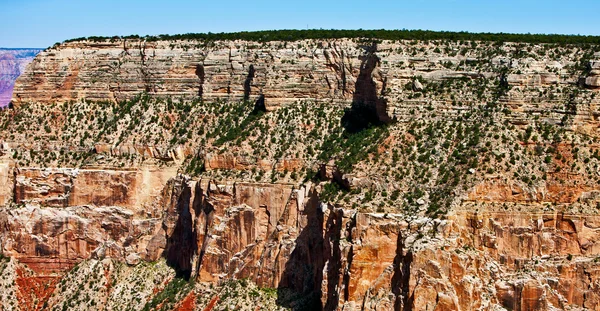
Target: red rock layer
[{"x": 283, "y": 237}]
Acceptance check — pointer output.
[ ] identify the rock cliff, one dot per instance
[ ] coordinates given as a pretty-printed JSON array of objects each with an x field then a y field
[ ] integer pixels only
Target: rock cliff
[{"x": 332, "y": 174}]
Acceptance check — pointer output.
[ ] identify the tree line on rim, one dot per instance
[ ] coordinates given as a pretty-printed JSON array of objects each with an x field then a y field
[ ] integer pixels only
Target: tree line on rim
[{"x": 381, "y": 34}]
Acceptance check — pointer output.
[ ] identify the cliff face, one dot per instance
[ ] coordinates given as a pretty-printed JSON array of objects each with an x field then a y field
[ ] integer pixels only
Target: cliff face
[
  {"x": 12, "y": 64},
  {"x": 281, "y": 237},
  {"x": 339, "y": 71},
  {"x": 122, "y": 69},
  {"x": 316, "y": 174}
]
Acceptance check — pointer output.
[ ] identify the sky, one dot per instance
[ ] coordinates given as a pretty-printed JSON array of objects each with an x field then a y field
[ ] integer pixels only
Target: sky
[{"x": 41, "y": 23}]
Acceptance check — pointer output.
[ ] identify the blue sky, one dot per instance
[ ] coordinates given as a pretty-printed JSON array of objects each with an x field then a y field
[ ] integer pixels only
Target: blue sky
[{"x": 41, "y": 23}]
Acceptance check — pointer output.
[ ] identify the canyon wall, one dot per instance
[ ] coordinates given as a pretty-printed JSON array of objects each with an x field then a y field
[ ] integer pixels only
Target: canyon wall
[
  {"x": 284, "y": 237},
  {"x": 338, "y": 71},
  {"x": 338, "y": 174}
]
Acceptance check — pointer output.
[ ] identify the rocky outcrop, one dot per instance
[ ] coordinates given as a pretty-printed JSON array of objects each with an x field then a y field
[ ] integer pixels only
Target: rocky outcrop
[
  {"x": 178, "y": 153},
  {"x": 278, "y": 236},
  {"x": 228, "y": 161},
  {"x": 134, "y": 189},
  {"x": 593, "y": 78}
]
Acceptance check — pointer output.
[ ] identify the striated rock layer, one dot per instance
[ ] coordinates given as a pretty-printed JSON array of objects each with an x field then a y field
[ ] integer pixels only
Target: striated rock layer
[
  {"x": 340, "y": 71},
  {"x": 481, "y": 193}
]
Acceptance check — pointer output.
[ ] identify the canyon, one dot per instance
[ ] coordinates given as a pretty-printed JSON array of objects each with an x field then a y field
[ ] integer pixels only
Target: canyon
[
  {"x": 307, "y": 174},
  {"x": 12, "y": 64}
]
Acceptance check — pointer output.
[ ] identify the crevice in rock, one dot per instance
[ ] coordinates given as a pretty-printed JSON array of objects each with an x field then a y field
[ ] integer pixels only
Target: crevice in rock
[
  {"x": 369, "y": 106},
  {"x": 204, "y": 211},
  {"x": 17, "y": 191},
  {"x": 259, "y": 104},
  {"x": 248, "y": 82},
  {"x": 201, "y": 75},
  {"x": 181, "y": 243},
  {"x": 401, "y": 278},
  {"x": 300, "y": 285},
  {"x": 346, "y": 278},
  {"x": 333, "y": 252},
  {"x": 328, "y": 83},
  {"x": 143, "y": 69}
]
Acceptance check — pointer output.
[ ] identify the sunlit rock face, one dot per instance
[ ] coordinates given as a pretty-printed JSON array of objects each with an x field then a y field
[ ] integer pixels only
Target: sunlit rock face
[
  {"x": 12, "y": 64},
  {"x": 99, "y": 201},
  {"x": 279, "y": 236}
]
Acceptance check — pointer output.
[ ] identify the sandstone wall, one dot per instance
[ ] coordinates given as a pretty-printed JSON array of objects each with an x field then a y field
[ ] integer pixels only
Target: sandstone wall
[
  {"x": 122, "y": 69},
  {"x": 66, "y": 215},
  {"x": 283, "y": 237},
  {"x": 131, "y": 189},
  {"x": 339, "y": 71}
]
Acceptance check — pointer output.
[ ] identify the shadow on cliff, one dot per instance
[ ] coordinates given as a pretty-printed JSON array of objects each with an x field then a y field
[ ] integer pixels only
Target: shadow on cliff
[
  {"x": 300, "y": 285},
  {"x": 369, "y": 106},
  {"x": 182, "y": 244},
  {"x": 201, "y": 76},
  {"x": 401, "y": 278},
  {"x": 333, "y": 256}
]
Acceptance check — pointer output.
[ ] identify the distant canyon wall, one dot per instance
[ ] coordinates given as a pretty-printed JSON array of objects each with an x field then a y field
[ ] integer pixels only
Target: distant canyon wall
[{"x": 12, "y": 64}]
